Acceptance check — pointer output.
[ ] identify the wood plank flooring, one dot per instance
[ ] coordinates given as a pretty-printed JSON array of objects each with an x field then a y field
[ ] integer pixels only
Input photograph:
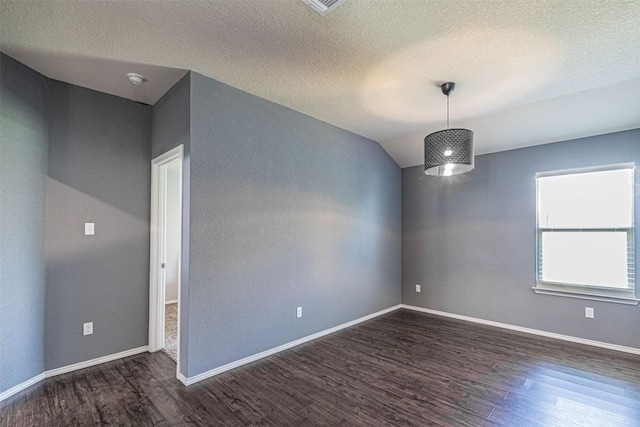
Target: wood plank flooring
[{"x": 404, "y": 368}]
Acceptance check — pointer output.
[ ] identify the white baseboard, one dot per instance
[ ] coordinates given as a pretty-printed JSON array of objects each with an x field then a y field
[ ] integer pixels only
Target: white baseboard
[
  {"x": 183, "y": 379},
  {"x": 192, "y": 380},
  {"x": 171, "y": 301},
  {"x": 96, "y": 361},
  {"x": 19, "y": 387},
  {"x": 249, "y": 359},
  {"x": 69, "y": 368},
  {"x": 569, "y": 338}
]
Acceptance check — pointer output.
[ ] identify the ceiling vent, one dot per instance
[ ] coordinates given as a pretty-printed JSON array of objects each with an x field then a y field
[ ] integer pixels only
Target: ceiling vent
[{"x": 323, "y": 6}]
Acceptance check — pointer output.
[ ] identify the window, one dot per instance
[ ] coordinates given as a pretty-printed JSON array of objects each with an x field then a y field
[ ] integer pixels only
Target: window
[{"x": 585, "y": 233}]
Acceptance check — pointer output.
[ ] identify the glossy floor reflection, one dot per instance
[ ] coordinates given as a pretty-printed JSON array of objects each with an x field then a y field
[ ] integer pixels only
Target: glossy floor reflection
[{"x": 556, "y": 395}]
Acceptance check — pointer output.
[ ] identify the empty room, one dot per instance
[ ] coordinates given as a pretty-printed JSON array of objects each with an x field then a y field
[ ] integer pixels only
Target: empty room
[{"x": 319, "y": 212}]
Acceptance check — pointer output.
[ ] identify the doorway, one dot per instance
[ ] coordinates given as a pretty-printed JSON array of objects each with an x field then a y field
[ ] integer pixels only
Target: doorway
[{"x": 166, "y": 253}]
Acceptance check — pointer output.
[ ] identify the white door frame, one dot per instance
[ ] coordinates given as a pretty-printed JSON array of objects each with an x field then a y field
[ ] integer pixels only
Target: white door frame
[{"x": 158, "y": 249}]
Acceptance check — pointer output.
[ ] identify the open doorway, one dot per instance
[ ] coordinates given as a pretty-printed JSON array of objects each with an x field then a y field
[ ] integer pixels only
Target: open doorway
[{"x": 166, "y": 249}]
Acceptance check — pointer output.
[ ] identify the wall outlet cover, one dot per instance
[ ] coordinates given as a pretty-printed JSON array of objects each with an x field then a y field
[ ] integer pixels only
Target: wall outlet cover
[
  {"x": 418, "y": 288},
  {"x": 589, "y": 312},
  {"x": 299, "y": 312},
  {"x": 87, "y": 328},
  {"x": 89, "y": 228}
]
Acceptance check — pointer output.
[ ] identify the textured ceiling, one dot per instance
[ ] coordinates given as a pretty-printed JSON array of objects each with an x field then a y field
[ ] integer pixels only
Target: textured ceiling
[{"x": 527, "y": 71}]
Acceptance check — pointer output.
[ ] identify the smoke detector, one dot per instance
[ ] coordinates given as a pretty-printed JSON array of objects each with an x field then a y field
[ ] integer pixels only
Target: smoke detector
[
  {"x": 136, "y": 79},
  {"x": 323, "y": 6}
]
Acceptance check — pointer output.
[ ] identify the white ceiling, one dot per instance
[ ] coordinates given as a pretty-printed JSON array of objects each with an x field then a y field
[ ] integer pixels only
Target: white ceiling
[
  {"x": 107, "y": 76},
  {"x": 527, "y": 71}
]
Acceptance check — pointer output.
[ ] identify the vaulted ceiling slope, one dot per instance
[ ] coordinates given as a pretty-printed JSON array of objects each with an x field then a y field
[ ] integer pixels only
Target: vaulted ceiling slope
[{"x": 527, "y": 71}]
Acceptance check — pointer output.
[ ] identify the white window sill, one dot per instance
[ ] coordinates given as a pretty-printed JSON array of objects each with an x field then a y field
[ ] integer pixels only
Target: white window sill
[{"x": 584, "y": 295}]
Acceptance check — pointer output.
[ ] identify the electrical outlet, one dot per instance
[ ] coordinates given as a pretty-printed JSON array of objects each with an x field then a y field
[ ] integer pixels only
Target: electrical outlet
[
  {"x": 87, "y": 328},
  {"x": 588, "y": 312},
  {"x": 299, "y": 312},
  {"x": 417, "y": 288},
  {"x": 89, "y": 228}
]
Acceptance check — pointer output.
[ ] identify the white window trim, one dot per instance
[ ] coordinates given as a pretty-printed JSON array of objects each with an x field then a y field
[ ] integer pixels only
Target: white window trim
[
  {"x": 574, "y": 292},
  {"x": 594, "y": 293}
]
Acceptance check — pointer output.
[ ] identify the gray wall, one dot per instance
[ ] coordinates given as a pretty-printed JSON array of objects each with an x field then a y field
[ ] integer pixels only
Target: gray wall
[
  {"x": 99, "y": 171},
  {"x": 172, "y": 118},
  {"x": 171, "y": 126},
  {"x": 470, "y": 240},
  {"x": 286, "y": 211},
  {"x": 23, "y": 168}
]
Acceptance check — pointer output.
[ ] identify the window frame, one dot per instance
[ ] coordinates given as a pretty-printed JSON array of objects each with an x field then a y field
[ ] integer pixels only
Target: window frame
[{"x": 588, "y": 291}]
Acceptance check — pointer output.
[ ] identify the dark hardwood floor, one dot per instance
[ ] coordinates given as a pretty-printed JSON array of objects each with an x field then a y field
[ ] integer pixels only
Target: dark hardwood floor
[{"x": 404, "y": 368}]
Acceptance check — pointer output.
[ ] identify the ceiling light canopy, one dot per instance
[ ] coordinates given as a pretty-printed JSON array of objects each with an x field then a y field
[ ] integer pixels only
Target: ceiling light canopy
[
  {"x": 323, "y": 6},
  {"x": 136, "y": 78},
  {"x": 450, "y": 151}
]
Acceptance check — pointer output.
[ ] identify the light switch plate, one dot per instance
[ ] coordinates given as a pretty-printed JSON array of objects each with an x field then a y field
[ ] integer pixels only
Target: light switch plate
[
  {"x": 418, "y": 288},
  {"x": 89, "y": 228},
  {"x": 588, "y": 312},
  {"x": 299, "y": 312}
]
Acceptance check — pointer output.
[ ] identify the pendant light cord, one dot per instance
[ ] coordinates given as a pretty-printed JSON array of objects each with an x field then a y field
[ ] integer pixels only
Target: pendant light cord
[{"x": 447, "y": 111}]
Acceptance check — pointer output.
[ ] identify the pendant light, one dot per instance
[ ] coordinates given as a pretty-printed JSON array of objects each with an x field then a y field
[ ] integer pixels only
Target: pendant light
[{"x": 450, "y": 151}]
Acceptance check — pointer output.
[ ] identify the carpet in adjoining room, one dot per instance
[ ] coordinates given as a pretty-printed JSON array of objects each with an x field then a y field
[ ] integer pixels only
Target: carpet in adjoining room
[{"x": 171, "y": 330}]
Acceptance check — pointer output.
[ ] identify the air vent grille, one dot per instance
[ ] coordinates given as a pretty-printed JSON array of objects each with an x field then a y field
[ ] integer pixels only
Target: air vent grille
[{"x": 323, "y": 6}]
